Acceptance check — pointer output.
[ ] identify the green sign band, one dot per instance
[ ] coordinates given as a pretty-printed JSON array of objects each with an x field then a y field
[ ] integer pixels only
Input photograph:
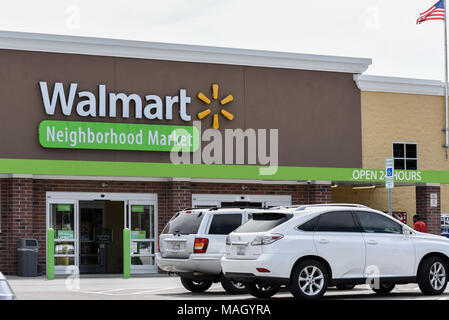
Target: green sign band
[
  {"x": 169, "y": 170},
  {"x": 117, "y": 136}
]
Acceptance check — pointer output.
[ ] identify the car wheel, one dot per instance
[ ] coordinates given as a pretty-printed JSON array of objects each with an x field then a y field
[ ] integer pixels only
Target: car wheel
[
  {"x": 345, "y": 286},
  {"x": 309, "y": 280},
  {"x": 261, "y": 291},
  {"x": 384, "y": 288},
  {"x": 196, "y": 285},
  {"x": 233, "y": 287},
  {"x": 432, "y": 276}
]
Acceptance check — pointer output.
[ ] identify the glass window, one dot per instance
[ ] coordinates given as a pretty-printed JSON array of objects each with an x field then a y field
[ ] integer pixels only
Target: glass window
[
  {"x": 64, "y": 261},
  {"x": 339, "y": 221},
  {"x": 405, "y": 156},
  {"x": 398, "y": 150},
  {"x": 410, "y": 150},
  {"x": 263, "y": 221},
  {"x": 142, "y": 217},
  {"x": 225, "y": 223},
  {"x": 309, "y": 225},
  {"x": 142, "y": 247},
  {"x": 399, "y": 164},
  {"x": 411, "y": 164},
  {"x": 184, "y": 223},
  {"x": 66, "y": 248},
  {"x": 63, "y": 221},
  {"x": 139, "y": 261},
  {"x": 376, "y": 223}
]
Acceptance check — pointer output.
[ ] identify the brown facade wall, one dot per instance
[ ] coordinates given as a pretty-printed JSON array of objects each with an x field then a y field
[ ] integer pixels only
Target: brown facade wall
[
  {"x": 23, "y": 204},
  {"x": 310, "y": 108}
]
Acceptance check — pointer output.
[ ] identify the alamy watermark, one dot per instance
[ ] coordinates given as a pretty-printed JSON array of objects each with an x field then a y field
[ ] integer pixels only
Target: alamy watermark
[{"x": 259, "y": 146}]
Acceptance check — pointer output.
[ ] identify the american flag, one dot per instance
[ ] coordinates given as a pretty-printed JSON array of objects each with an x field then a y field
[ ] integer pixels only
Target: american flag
[{"x": 436, "y": 12}]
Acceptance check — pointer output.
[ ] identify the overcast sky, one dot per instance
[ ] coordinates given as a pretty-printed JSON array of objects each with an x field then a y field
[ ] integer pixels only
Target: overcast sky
[{"x": 384, "y": 30}]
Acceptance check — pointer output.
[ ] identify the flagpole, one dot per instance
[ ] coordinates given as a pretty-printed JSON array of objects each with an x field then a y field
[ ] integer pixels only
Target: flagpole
[{"x": 445, "y": 79}]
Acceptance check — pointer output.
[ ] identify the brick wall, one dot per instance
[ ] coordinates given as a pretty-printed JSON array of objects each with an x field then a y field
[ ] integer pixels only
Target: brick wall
[
  {"x": 430, "y": 215},
  {"x": 299, "y": 193},
  {"x": 320, "y": 193},
  {"x": 4, "y": 260},
  {"x": 23, "y": 204}
]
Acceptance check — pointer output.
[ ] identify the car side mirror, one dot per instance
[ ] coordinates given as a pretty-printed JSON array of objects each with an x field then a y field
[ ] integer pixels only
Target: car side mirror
[{"x": 406, "y": 231}]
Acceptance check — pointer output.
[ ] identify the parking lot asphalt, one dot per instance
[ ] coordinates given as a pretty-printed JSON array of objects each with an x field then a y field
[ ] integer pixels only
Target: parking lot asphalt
[{"x": 163, "y": 287}]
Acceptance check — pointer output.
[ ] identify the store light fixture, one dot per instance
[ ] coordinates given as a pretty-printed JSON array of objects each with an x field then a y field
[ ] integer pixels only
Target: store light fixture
[{"x": 364, "y": 187}]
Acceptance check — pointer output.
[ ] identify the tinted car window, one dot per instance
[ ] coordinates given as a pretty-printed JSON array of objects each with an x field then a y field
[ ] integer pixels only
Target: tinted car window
[
  {"x": 184, "y": 223},
  {"x": 225, "y": 223},
  {"x": 376, "y": 223},
  {"x": 339, "y": 221},
  {"x": 263, "y": 222},
  {"x": 309, "y": 225}
]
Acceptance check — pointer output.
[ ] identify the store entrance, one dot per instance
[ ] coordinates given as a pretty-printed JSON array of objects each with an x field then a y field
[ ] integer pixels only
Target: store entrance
[
  {"x": 101, "y": 236},
  {"x": 86, "y": 232}
]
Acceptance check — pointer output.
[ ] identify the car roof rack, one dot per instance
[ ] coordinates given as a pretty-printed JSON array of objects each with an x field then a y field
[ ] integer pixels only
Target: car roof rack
[
  {"x": 238, "y": 207},
  {"x": 294, "y": 206},
  {"x": 353, "y": 205}
]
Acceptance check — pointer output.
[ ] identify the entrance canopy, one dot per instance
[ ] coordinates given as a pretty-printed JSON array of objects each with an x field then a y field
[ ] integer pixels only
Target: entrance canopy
[{"x": 169, "y": 170}]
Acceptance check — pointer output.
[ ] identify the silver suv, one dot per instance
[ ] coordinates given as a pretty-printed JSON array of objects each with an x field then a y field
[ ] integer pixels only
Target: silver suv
[{"x": 193, "y": 243}]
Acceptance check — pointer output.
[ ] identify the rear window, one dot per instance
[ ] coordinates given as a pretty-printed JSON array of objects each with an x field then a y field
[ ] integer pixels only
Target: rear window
[
  {"x": 184, "y": 223},
  {"x": 225, "y": 223},
  {"x": 263, "y": 222}
]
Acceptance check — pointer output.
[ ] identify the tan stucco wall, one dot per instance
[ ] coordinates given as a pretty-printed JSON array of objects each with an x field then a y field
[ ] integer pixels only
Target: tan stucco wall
[
  {"x": 403, "y": 198},
  {"x": 397, "y": 117}
]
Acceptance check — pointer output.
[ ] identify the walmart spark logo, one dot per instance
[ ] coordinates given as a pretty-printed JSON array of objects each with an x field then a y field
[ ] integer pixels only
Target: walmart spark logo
[{"x": 207, "y": 101}]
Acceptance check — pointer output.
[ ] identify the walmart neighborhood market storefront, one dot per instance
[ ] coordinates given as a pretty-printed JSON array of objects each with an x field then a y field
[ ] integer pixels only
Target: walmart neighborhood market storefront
[{"x": 88, "y": 124}]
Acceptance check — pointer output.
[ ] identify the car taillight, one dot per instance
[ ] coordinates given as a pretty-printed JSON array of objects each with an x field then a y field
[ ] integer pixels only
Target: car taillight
[
  {"x": 158, "y": 244},
  {"x": 200, "y": 245},
  {"x": 266, "y": 239}
]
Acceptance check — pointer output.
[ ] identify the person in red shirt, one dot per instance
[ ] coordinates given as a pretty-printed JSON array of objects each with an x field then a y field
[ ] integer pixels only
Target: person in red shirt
[{"x": 419, "y": 225}]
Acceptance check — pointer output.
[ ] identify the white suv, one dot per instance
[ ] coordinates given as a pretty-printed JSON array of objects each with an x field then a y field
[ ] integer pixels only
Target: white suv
[
  {"x": 193, "y": 243},
  {"x": 309, "y": 248}
]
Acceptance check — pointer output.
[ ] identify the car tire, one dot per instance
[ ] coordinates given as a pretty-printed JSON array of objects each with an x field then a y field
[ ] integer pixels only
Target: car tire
[
  {"x": 195, "y": 285},
  {"x": 233, "y": 287},
  {"x": 432, "y": 276},
  {"x": 345, "y": 286},
  {"x": 261, "y": 291},
  {"x": 309, "y": 280},
  {"x": 384, "y": 288}
]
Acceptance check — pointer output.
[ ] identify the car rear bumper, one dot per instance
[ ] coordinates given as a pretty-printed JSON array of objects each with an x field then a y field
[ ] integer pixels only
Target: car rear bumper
[
  {"x": 269, "y": 262},
  {"x": 249, "y": 277},
  {"x": 203, "y": 263}
]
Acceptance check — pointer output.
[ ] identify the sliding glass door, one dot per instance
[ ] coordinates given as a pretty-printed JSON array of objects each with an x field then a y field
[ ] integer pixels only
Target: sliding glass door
[{"x": 63, "y": 218}]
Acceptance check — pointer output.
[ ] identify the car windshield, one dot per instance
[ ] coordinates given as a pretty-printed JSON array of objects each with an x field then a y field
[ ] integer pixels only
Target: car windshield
[
  {"x": 263, "y": 221},
  {"x": 184, "y": 223},
  {"x": 5, "y": 291}
]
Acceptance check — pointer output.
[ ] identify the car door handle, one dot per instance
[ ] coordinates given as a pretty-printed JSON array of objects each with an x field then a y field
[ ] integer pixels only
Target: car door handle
[
  {"x": 323, "y": 241},
  {"x": 372, "y": 242}
]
